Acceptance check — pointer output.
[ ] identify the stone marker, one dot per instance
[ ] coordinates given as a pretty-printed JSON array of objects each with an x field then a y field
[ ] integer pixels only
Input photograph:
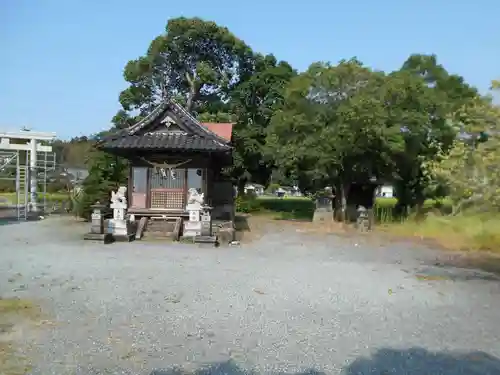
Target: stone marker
[
  {"x": 97, "y": 232},
  {"x": 363, "y": 222},
  {"x": 323, "y": 211}
]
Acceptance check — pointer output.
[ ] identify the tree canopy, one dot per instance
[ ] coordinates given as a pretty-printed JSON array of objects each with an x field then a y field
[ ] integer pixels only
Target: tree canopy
[
  {"x": 196, "y": 61},
  {"x": 344, "y": 124},
  {"x": 331, "y": 125},
  {"x": 254, "y": 103},
  {"x": 471, "y": 167}
]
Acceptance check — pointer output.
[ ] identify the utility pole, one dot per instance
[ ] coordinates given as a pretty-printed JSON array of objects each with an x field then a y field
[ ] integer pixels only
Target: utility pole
[{"x": 33, "y": 176}]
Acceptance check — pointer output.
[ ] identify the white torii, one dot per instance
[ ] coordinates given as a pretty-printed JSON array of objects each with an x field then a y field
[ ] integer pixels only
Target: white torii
[{"x": 33, "y": 146}]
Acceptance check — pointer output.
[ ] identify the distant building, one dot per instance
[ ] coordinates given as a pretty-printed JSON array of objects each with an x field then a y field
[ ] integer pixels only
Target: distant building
[
  {"x": 256, "y": 189},
  {"x": 77, "y": 174},
  {"x": 289, "y": 191},
  {"x": 385, "y": 191}
]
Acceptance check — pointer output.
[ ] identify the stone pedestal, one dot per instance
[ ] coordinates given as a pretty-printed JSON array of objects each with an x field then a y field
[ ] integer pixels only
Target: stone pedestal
[
  {"x": 97, "y": 232},
  {"x": 120, "y": 226},
  {"x": 122, "y": 230},
  {"x": 206, "y": 235},
  {"x": 323, "y": 211},
  {"x": 192, "y": 227},
  {"x": 97, "y": 220},
  {"x": 206, "y": 222},
  {"x": 199, "y": 225}
]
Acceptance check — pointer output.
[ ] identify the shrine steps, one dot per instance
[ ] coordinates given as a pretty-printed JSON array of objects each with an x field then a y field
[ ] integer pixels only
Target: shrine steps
[
  {"x": 166, "y": 227},
  {"x": 161, "y": 227}
]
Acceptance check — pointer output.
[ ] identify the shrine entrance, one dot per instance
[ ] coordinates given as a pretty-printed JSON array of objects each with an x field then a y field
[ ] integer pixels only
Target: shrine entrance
[
  {"x": 157, "y": 188},
  {"x": 25, "y": 164},
  {"x": 168, "y": 188},
  {"x": 170, "y": 152}
]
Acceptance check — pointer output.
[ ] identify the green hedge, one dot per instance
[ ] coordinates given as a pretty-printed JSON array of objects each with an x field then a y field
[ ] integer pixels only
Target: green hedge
[
  {"x": 293, "y": 208},
  {"x": 246, "y": 204},
  {"x": 303, "y": 208}
]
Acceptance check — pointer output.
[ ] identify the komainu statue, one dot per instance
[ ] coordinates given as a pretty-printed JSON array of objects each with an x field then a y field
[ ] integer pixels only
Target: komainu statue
[
  {"x": 195, "y": 198},
  {"x": 120, "y": 196}
]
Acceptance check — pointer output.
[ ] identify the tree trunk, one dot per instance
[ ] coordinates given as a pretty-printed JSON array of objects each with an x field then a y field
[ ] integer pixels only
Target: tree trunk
[
  {"x": 341, "y": 193},
  {"x": 192, "y": 92},
  {"x": 241, "y": 187},
  {"x": 420, "y": 214}
]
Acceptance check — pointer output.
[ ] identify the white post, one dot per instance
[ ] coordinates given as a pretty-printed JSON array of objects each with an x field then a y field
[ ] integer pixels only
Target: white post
[{"x": 33, "y": 175}]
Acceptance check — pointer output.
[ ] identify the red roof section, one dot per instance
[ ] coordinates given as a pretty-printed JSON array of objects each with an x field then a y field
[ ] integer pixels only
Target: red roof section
[{"x": 223, "y": 130}]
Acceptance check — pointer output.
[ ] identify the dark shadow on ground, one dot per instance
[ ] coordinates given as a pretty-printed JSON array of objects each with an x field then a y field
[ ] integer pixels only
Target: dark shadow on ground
[
  {"x": 223, "y": 368},
  {"x": 9, "y": 216},
  {"x": 419, "y": 361},
  {"x": 8, "y": 220},
  {"x": 482, "y": 261},
  {"x": 413, "y": 361},
  {"x": 13, "y": 219},
  {"x": 450, "y": 272}
]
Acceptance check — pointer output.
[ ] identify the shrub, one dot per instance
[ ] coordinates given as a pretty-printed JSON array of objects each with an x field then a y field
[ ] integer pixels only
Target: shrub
[
  {"x": 303, "y": 208},
  {"x": 247, "y": 204},
  {"x": 7, "y": 186},
  {"x": 272, "y": 188},
  {"x": 384, "y": 208},
  {"x": 106, "y": 173},
  {"x": 299, "y": 208},
  {"x": 469, "y": 231}
]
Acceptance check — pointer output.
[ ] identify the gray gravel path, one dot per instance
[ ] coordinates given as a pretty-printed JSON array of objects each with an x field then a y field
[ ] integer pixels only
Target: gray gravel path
[{"x": 288, "y": 303}]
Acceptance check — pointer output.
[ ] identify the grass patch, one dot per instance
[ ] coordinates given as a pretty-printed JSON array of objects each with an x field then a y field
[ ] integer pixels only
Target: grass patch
[
  {"x": 13, "y": 311},
  {"x": 302, "y": 208},
  {"x": 12, "y": 197},
  {"x": 16, "y": 306},
  {"x": 464, "y": 232},
  {"x": 384, "y": 208},
  {"x": 431, "y": 278},
  {"x": 11, "y": 362}
]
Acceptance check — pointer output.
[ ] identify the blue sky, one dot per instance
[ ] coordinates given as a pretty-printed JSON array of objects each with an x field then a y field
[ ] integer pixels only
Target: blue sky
[{"x": 62, "y": 60}]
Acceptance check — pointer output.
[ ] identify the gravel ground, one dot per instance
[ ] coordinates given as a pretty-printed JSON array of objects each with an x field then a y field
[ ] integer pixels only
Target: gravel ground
[{"x": 287, "y": 303}]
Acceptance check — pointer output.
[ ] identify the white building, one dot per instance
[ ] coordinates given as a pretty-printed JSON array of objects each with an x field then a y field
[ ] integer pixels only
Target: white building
[
  {"x": 256, "y": 189},
  {"x": 385, "y": 191}
]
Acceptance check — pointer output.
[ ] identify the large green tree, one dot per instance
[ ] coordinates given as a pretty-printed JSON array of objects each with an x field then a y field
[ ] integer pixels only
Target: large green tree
[
  {"x": 123, "y": 120},
  {"x": 471, "y": 168},
  {"x": 196, "y": 61},
  {"x": 218, "y": 78},
  {"x": 452, "y": 86},
  {"x": 443, "y": 94},
  {"x": 334, "y": 128},
  {"x": 254, "y": 103}
]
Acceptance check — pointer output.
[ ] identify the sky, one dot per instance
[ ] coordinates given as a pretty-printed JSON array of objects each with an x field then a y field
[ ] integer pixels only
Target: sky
[{"x": 61, "y": 65}]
